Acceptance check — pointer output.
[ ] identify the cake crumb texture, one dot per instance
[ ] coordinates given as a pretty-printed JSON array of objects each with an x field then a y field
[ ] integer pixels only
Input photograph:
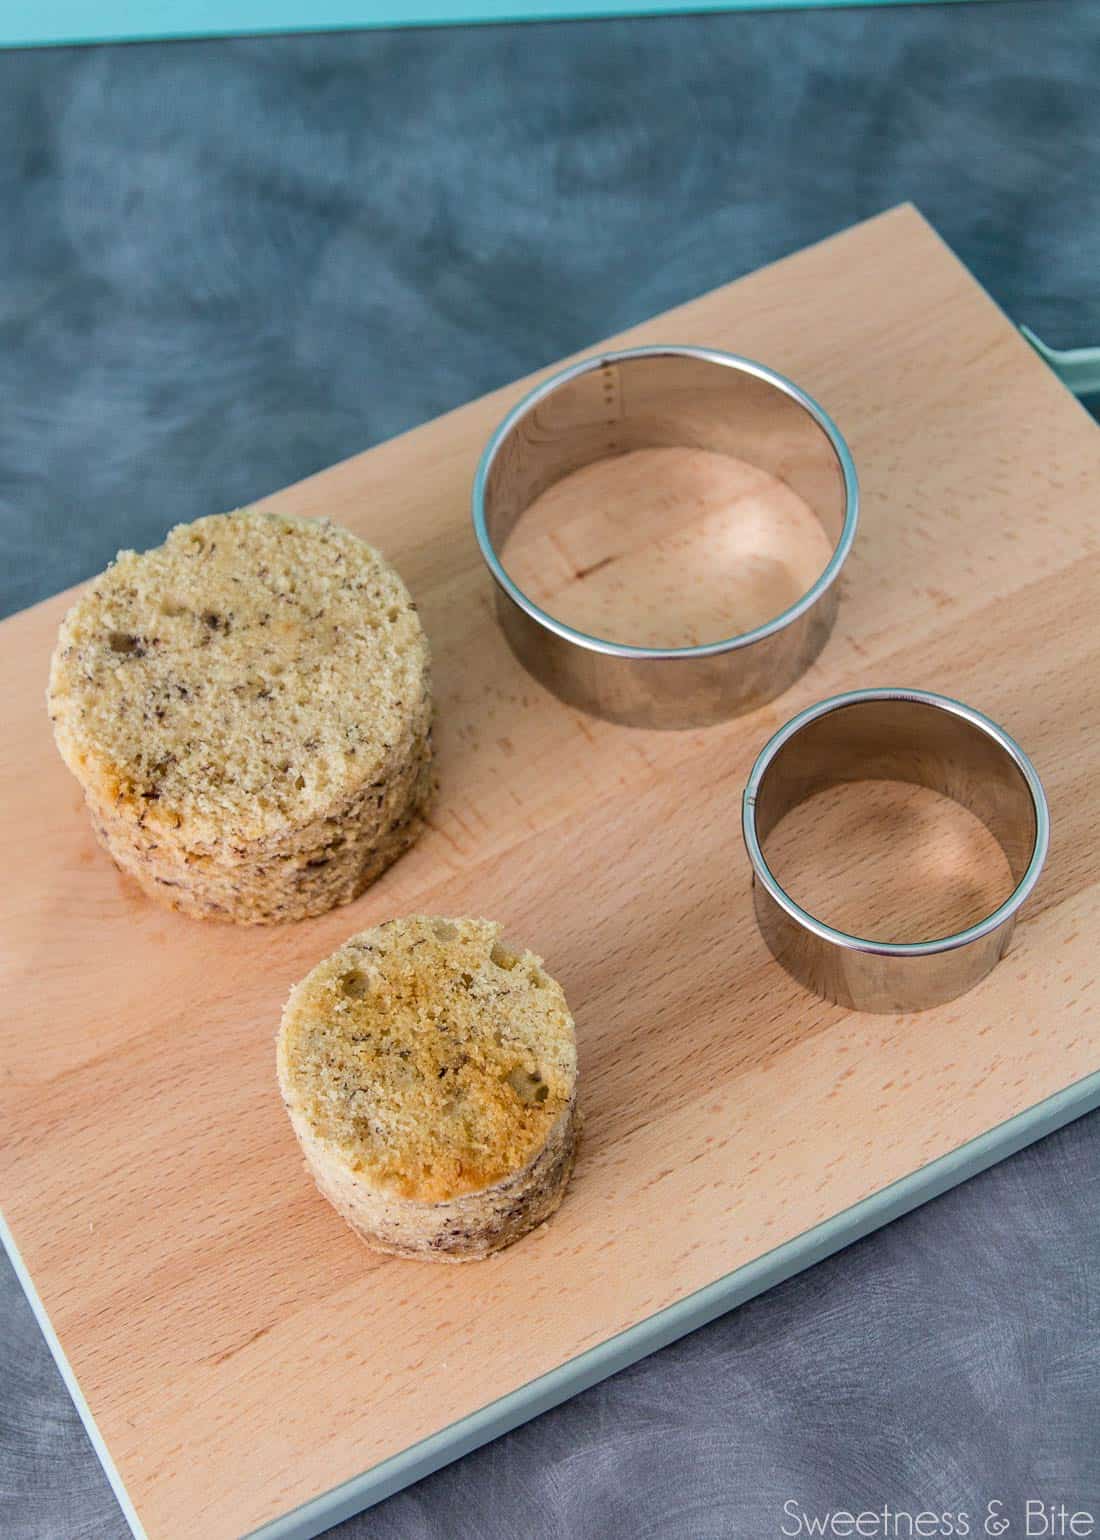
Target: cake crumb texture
[
  {"x": 245, "y": 705},
  {"x": 428, "y": 1058}
]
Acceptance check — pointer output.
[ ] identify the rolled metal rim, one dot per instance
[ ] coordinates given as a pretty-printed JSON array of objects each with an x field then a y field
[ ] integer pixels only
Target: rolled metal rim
[
  {"x": 595, "y": 644},
  {"x": 1004, "y": 912}
]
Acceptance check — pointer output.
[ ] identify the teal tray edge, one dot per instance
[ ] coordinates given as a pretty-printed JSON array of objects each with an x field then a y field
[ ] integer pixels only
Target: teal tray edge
[
  {"x": 627, "y": 1347},
  {"x": 71, "y": 1383},
  {"x": 687, "y": 1314},
  {"x": 61, "y": 23}
]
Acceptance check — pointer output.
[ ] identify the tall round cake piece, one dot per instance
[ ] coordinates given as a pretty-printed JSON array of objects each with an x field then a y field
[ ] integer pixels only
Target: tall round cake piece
[
  {"x": 248, "y": 710},
  {"x": 430, "y": 1074}
]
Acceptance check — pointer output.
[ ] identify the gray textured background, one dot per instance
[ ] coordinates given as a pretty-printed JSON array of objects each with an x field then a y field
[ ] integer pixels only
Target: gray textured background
[{"x": 225, "y": 265}]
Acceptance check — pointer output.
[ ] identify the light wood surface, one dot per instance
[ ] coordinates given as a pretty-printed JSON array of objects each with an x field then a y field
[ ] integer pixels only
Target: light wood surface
[
  {"x": 667, "y": 548},
  {"x": 241, "y": 1351}
]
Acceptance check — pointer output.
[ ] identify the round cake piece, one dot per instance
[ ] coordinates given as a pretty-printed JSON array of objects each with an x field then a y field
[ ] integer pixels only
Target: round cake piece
[
  {"x": 430, "y": 1074},
  {"x": 248, "y": 710}
]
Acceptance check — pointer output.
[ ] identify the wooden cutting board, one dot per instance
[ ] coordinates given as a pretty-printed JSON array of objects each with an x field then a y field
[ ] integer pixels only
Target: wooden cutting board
[{"x": 238, "y": 1352}]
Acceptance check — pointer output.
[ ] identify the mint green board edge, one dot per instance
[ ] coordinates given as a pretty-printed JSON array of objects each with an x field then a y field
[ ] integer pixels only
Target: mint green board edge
[
  {"x": 657, "y": 1331},
  {"x": 30, "y": 23},
  {"x": 71, "y": 1383}
]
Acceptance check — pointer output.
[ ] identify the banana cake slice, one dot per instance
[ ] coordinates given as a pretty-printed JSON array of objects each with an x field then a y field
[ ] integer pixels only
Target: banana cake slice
[
  {"x": 430, "y": 1072},
  {"x": 248, "y": 710}
]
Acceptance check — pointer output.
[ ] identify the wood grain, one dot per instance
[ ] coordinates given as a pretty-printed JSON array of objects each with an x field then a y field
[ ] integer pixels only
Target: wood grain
[
  {"x": 667, "y": 548},
  {"x": 239, "y": 1349}
]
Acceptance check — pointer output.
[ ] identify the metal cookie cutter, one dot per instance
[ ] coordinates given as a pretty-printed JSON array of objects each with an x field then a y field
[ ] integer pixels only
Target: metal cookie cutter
[
  {"x": 898, "y": 735},
  {"x": 661, "y": 397}
]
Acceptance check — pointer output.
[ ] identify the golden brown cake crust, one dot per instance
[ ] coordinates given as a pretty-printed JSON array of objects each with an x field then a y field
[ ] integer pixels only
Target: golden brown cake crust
[
  {"x": 248, "y": 709},
  {"x": 240, "y": 679},
  {"x": 429, "y": 1060}
]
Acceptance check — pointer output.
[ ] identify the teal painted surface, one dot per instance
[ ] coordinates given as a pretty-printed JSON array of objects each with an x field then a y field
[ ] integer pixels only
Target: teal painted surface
[
  {"x": 28, "y": 23},
  {"x": 71, "y": 1385},
  {"x": 923, "y": 152},
  {"x": 1077, "y": 368},
  {"x": 686, "y": 1315},
  {"x": 648, "y": 1336}
]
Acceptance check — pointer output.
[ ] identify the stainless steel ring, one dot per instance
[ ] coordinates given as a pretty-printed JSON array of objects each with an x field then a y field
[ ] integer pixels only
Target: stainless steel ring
[
  {"x": 899, "y": 735},
  {"x": 665, "y": 397}
]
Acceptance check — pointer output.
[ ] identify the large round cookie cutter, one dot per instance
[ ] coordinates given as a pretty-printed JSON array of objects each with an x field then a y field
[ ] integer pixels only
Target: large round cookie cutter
[
  {"x": 897, "y": 735},
  {"x": 666, "y": 397}
]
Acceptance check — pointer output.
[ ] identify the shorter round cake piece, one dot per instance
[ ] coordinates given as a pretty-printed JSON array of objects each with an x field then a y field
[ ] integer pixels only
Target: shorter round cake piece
[
  {"x": 430, "y": 1074},
  {"x": 248, "y": 710}
]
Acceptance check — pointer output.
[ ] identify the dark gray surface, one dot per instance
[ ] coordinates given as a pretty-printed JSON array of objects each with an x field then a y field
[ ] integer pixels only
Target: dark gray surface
[{"x": 225, "y": 265}]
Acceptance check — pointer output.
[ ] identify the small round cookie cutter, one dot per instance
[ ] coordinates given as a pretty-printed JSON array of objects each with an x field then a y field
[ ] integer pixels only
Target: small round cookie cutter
[
  {"x": 898, "y": 735},
  {"x": 660, "y": 397}
]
